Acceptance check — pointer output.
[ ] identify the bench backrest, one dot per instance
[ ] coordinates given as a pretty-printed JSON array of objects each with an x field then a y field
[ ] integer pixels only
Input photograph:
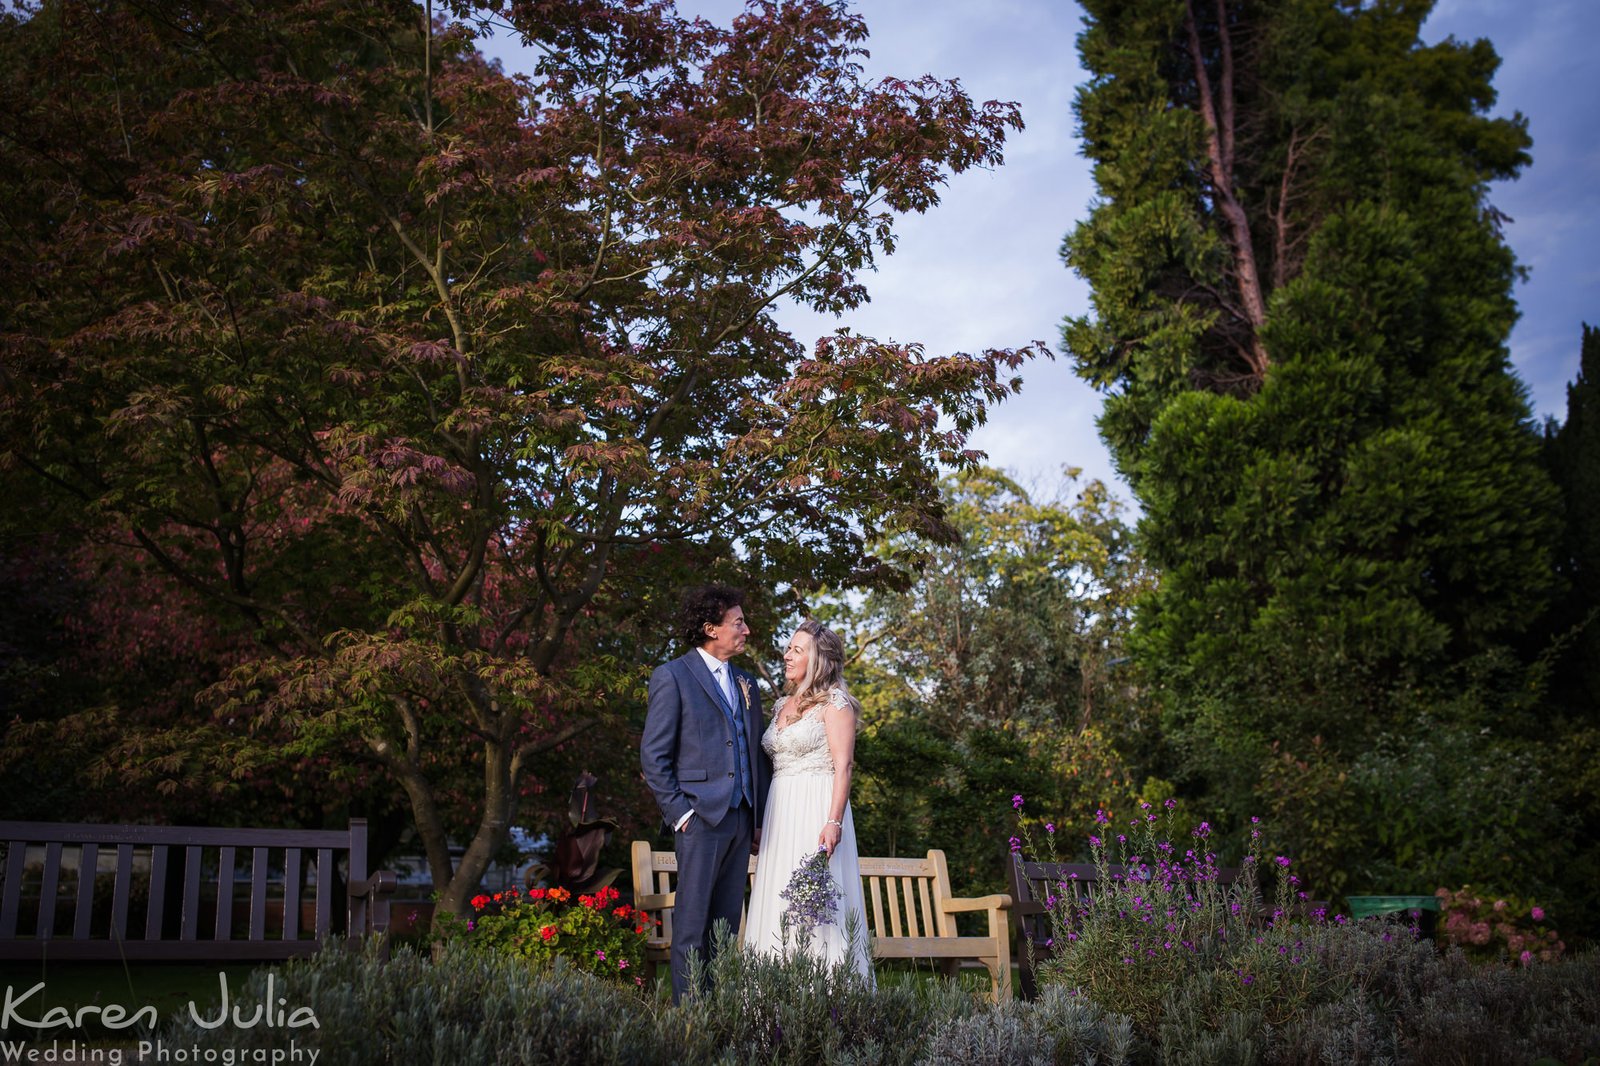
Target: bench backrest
[
  {"x": 904, "y": 896},
  {"x": 105, "y": 891}
]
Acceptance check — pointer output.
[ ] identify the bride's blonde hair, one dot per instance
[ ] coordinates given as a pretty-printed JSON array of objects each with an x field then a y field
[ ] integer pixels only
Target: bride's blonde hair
[{"x": 824, "y": 667}]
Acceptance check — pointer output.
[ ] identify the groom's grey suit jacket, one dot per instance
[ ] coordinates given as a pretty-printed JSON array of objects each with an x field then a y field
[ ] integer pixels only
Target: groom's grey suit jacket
[{"x": 689, "y": 751}]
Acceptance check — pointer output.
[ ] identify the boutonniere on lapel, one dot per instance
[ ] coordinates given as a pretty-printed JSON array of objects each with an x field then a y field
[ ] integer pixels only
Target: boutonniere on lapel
[{"x": 744, "y": 690}]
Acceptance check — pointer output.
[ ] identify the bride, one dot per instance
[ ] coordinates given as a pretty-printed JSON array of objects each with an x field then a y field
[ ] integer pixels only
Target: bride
[{"x": 812, "y": 741}]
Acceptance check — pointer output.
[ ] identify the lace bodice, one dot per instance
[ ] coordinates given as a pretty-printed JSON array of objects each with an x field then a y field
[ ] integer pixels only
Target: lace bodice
[{"x": 802, "y": 746}]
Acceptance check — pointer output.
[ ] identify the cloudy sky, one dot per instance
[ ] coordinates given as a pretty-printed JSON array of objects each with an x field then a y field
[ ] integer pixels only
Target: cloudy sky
[{"x": 982, "y": 270}]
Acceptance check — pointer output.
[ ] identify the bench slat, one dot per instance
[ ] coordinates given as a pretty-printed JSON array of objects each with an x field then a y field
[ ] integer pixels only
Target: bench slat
[
  {"x": 875, "y": 889},
  {"x": 47, "y": 891},
  {"x": 191, "y": 892},
  {"x": 933, "y": 947},
  {"x": 892, "y": 888},
  {"x": 325, "y": 877},
  {"x": 291, "y": 894},
  {"x": 121, "y": 889},
  {"x": 258, "y": 893},
  {"x": 878, "y": 866},
  {"x": 928, "y": 928},
  {"x": 88, "y": 867},
  {"x": 180, "y": 836},
  {"x": 158, "y": 892},
  {"x": 225, "y": 864},
  {"x": 156, "y": 950},
  {"x": 11, "y": 903}
]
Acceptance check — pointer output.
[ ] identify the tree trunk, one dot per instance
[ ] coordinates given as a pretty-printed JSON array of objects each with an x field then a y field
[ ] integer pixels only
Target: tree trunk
[{"x": 1217, "y": 111}]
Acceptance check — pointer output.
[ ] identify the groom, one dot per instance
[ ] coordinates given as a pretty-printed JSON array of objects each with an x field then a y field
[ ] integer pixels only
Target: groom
[{"x": 701, "y": 755}]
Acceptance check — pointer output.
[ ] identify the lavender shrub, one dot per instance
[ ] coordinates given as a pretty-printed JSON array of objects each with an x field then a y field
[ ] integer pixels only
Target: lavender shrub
[{"x": 1138, "y": 936}]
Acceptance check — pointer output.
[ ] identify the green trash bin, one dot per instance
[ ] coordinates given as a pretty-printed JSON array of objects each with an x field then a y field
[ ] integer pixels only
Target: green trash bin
[{"x": 1426, "y": 909}]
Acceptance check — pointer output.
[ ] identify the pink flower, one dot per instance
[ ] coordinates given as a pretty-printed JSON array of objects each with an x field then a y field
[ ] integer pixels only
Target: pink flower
[
  {"x": 600, "y": 954},
  {"x": 1537, "y": 914},
  {"x": 1526, "y": 958},
  {"x": 1016, "y": 802}
]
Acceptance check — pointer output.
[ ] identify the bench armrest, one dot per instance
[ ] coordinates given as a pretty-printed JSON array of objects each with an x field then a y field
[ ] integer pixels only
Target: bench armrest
[
  {"x": 655, "y": 901},
  {"x": 958, "y": 905},
  {"x": 381, "y": 883}
]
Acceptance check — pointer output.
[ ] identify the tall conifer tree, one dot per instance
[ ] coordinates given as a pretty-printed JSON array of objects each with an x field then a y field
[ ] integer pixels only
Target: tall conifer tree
[{"x": 1301, "y": 300}]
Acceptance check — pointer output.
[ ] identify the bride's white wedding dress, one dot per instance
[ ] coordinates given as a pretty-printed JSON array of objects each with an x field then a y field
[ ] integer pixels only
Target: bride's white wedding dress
[{"x": 797, "y": 809}]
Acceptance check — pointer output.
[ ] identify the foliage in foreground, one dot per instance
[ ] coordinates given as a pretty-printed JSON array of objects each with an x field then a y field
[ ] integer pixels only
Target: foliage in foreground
[
  {"x": 1397, "y": 1001},
  {"x": 1208, "y": 972}
]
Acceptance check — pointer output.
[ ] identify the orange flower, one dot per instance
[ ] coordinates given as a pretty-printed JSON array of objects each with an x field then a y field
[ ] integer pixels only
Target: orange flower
[{"x": 560, "y": 895}]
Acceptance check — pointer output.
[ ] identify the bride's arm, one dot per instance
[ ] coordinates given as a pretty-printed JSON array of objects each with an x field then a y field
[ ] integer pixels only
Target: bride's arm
[{"x": 839, "y": 720}]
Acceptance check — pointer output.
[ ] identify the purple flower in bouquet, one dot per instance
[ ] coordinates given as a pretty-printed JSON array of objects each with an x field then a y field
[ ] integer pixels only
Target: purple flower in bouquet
[{"x": 812, "y": 895}]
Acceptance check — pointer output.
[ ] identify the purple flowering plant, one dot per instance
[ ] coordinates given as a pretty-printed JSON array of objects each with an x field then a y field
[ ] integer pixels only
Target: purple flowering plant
[
  {"x": 812, "y": 894},
  {"x": 1160, "y": 913}
]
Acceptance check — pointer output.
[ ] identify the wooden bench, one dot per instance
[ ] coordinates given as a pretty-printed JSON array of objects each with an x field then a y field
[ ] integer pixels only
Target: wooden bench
[
  {"x": 1033, "y": 883},
  {"x": 911, "y": 912},
  {"x": 187, "y": 879}
]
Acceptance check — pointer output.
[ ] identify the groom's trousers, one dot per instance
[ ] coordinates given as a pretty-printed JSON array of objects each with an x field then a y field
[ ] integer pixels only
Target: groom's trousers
[{"x": 713, "y": 869}]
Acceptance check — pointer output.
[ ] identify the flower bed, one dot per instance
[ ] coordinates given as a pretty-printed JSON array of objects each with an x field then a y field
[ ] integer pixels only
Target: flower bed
[{"x": 595, "y": 933}]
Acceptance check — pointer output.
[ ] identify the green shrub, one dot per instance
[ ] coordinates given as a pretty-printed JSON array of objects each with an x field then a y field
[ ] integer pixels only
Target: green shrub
[
  {"x": 762, "y": 1008},
  {"x": 463, "y": 1007},
  {"x": 1058, "y": 1028},
  {"x": 1383, "y": 998},
  {"x": 1492, "y": 1015}
]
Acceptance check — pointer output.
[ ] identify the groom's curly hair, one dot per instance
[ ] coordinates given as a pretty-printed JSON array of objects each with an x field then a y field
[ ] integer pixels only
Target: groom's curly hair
[{"x": 705, "y": 606}]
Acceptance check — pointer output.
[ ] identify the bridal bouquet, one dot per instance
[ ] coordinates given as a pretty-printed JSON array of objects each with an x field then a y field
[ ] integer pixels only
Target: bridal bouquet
[{"x": 812, "y": 895}]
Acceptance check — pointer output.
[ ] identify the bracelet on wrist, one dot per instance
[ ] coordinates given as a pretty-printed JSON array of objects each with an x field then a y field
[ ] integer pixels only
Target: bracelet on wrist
[{"x": 834, "y": 821}]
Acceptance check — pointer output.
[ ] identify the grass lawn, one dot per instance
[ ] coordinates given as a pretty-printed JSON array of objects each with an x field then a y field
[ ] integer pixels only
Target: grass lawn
[{"x": 168, "y": 987}]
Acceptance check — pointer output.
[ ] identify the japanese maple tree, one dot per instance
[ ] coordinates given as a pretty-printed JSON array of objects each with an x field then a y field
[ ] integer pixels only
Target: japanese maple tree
[{"x": 400, "y": 361}]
